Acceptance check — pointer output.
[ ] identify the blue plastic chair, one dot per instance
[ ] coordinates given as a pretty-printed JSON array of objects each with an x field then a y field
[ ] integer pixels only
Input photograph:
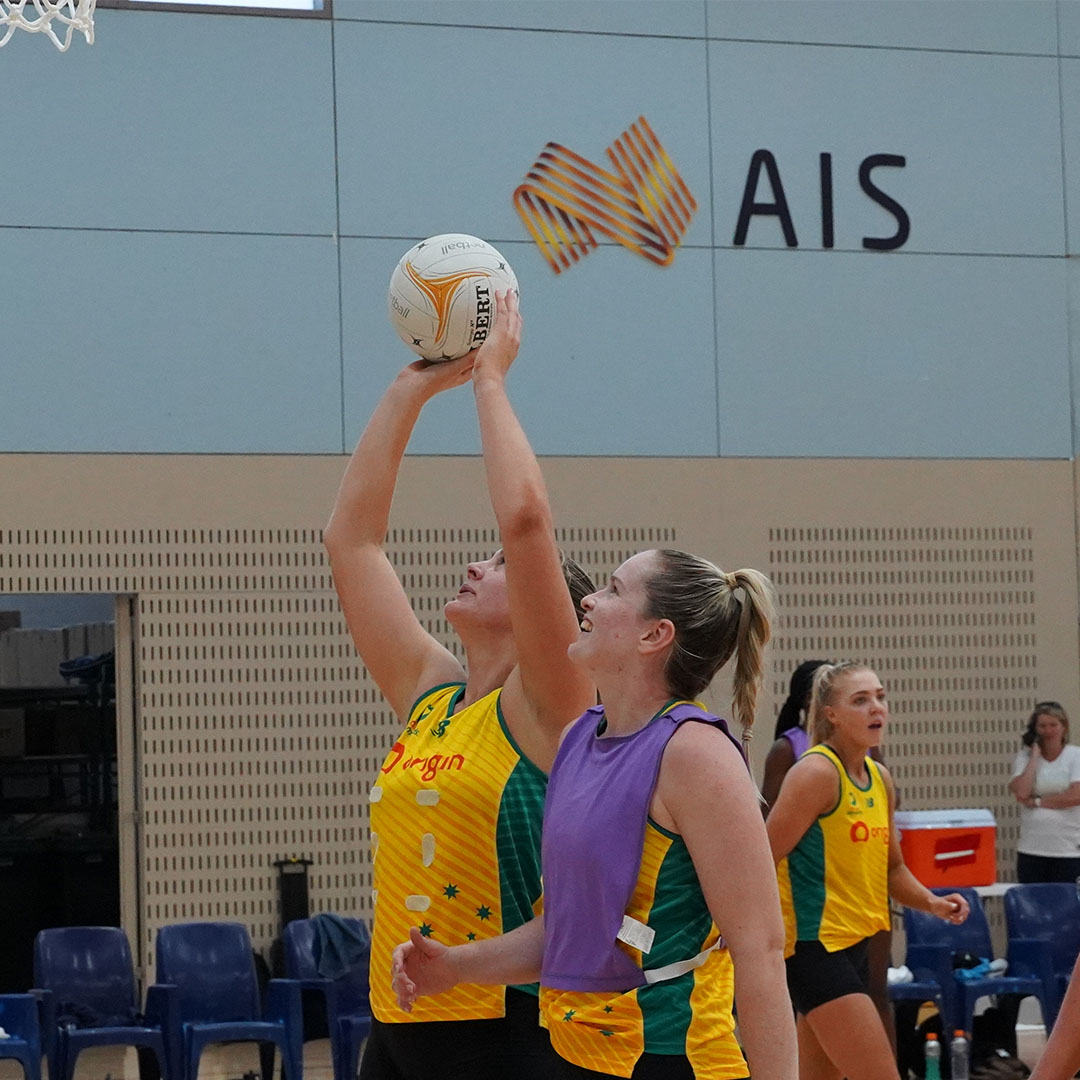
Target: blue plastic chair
[
  {"x": 345, "y": 999},
  {"x": 1044, "y": 938},
  {"x": 931, "y": 945},
  {"x": 212, "y": 969},
  {"x": 90, "y": 968},
  {"x": 19, "y": 1018}
]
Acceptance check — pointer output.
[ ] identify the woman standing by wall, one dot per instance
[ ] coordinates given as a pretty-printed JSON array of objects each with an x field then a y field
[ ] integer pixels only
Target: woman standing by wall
[{"x": 1046, "y": 783}]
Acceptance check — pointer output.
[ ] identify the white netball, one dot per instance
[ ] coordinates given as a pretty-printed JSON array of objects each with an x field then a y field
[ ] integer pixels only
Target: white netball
[{"x": 442, "y": 294}]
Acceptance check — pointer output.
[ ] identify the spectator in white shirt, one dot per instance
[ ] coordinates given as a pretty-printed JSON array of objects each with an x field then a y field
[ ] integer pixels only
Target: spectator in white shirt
[{"x": 1046, "y": 783}]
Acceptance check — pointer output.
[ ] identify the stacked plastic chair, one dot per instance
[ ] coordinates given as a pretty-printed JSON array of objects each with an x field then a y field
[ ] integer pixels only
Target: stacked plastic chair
[
  {"x": 88, "y": 970},
  {"x": 931, "y": 945},
  {"x": 345, "y": 998},
  {"x": 1044, "y": 938},
  {"x": 19, "y": 1019},
  {"x": 212, "y": 968}
]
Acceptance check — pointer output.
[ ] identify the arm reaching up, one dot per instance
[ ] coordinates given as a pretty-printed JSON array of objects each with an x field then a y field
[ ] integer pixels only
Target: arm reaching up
[
  {"x": 546, "y": 691},
  {"x": 403, "y": 659}
]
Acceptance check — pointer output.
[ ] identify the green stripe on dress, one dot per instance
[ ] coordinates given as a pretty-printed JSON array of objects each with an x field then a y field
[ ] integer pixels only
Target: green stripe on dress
[
  {"x": 517, "y": 846},
  {"x": 806, "y": 868},
  {"x": 682, "y": 922}
]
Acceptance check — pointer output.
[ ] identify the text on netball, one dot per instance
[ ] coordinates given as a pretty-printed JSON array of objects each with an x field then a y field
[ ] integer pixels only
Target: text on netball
[{"x": 483, "y": 313}]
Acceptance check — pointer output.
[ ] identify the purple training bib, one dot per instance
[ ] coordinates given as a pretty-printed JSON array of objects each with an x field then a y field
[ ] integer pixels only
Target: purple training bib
[{"x": 595, "y": 815}]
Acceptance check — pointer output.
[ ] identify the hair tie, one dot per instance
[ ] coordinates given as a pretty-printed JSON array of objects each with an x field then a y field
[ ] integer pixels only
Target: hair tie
[{"x": 731, "y": 581}]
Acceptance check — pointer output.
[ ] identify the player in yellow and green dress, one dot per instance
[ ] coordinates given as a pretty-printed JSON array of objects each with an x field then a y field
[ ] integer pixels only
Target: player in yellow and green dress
[
  {"x": 456, "y": 808},
  {"x": 839, "y": 861}
]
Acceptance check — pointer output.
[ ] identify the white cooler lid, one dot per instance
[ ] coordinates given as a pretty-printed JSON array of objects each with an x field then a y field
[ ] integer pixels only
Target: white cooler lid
[{"x": 944, "y": 819}]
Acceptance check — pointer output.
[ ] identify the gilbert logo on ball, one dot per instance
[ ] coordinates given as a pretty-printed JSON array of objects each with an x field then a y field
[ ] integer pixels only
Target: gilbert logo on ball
[
  {"x": 442, "y": 294},
  {"x": 644, "y": 204}
]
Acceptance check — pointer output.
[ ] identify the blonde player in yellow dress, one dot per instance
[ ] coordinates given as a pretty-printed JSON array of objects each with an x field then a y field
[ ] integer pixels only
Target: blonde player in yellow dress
[
  {"x": 839, "y": 861},
  {"x": 456, "y": 810}
]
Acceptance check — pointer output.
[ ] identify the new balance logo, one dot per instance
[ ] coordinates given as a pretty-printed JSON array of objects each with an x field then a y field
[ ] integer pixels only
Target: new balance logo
[{"x": 644, "y": 204}]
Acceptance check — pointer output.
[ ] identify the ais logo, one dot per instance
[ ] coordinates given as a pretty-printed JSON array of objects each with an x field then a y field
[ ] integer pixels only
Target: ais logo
[{"x": 644, "y": 204}]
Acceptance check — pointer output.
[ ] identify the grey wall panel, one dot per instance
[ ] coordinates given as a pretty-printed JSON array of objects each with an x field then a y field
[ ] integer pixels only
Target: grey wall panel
[
  {"x": 845, "y": 355},
  {"x": 1073, "y": 272},
  {"x": 979, "y": 134},
  {"x": 142, "y": 342},
  {"x": 1069, "y": 27},
  {"x": 1070, "y": 133},
  {"x": 679, "y": 18},
  {"x": 470, "y": 110},
  {"x": 617, "y": 357},
  {"x": 174, "y": 121},
  {"x": 1014, "y": 26}
]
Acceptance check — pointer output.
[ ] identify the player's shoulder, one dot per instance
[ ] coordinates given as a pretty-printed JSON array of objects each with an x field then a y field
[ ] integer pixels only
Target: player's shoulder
[
  {"x": 693, "y": 743},
  {"x": 813, "y": 766}
]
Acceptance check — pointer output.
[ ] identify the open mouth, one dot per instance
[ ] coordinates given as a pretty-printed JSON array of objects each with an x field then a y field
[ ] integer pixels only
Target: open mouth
[{"x": 586, "y": 626}]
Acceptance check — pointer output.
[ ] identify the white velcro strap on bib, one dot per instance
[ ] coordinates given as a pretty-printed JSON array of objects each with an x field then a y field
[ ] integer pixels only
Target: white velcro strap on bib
[
  {"x": 636, "y": 934},
  {"x": 681, "y": 967}
]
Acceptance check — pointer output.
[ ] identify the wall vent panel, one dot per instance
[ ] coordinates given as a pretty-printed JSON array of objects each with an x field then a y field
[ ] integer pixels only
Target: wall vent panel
[{"x": 259, "y": 731}]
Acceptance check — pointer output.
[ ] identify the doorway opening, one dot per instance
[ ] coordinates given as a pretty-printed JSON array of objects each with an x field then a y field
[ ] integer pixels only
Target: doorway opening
[{"x": 60, "y": 844}]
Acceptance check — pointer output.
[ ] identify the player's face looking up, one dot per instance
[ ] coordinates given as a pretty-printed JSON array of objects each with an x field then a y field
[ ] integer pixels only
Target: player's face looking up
[
  {"x": 482, "y": 597},
  {"x": 613, "y": 623},
  {"x": 858, "y": 709}
]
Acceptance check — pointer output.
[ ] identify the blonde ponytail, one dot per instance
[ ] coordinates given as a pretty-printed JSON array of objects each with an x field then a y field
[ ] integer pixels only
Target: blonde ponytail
[{"x": 713, "y": 622}]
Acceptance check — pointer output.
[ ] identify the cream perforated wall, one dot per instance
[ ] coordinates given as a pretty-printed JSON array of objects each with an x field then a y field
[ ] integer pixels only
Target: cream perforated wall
[
  {"x": 258, "y": 729},
  {"x": 252, "y": 731}
]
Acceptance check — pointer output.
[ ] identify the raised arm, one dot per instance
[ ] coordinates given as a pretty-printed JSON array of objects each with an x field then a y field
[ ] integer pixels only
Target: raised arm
[
  {"x": 1022, "y": 785},
  {"x": 546, "y": 690},
  {"x": 403, "y": 659},
  {"x": 707, "y": 793}
]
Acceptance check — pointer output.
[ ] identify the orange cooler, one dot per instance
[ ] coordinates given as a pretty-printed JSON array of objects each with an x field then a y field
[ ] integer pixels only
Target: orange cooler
[{"x": 949, "y": 848}]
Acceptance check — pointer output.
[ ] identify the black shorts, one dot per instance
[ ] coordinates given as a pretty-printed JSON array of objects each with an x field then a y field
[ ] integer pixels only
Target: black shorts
[
  {"x": 816, "y": 976},
  {"x": 648, "y": 1067},
  {"x": 511, "y": 1047}
]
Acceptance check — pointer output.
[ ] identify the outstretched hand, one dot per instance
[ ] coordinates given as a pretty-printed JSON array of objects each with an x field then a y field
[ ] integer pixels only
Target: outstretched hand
[
  {"x": 501, "y": 346},
  {"x": 421, "y": 967}
]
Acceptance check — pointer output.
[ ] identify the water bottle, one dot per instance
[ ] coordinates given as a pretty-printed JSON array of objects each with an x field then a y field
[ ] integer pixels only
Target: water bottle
[
  {"x": 960, "y": 1055},
  {"x": 933, "y": 1057}
]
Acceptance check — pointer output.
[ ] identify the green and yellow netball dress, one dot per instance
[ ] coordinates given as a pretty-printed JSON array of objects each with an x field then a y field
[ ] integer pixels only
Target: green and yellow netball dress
[
  {"x": 834, "y": 885},
  {"x": 456, "y": 818}
]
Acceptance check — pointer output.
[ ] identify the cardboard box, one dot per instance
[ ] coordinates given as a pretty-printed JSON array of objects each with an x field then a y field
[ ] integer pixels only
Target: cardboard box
[{"x": 949, "y": 848}]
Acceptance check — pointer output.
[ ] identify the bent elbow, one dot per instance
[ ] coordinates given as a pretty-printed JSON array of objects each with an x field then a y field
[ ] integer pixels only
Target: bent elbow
[{"x": 530, "y": 518}]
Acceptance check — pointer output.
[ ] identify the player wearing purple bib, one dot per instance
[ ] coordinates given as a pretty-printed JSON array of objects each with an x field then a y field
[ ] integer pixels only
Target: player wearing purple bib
[{"x": 654, "y": 849}]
